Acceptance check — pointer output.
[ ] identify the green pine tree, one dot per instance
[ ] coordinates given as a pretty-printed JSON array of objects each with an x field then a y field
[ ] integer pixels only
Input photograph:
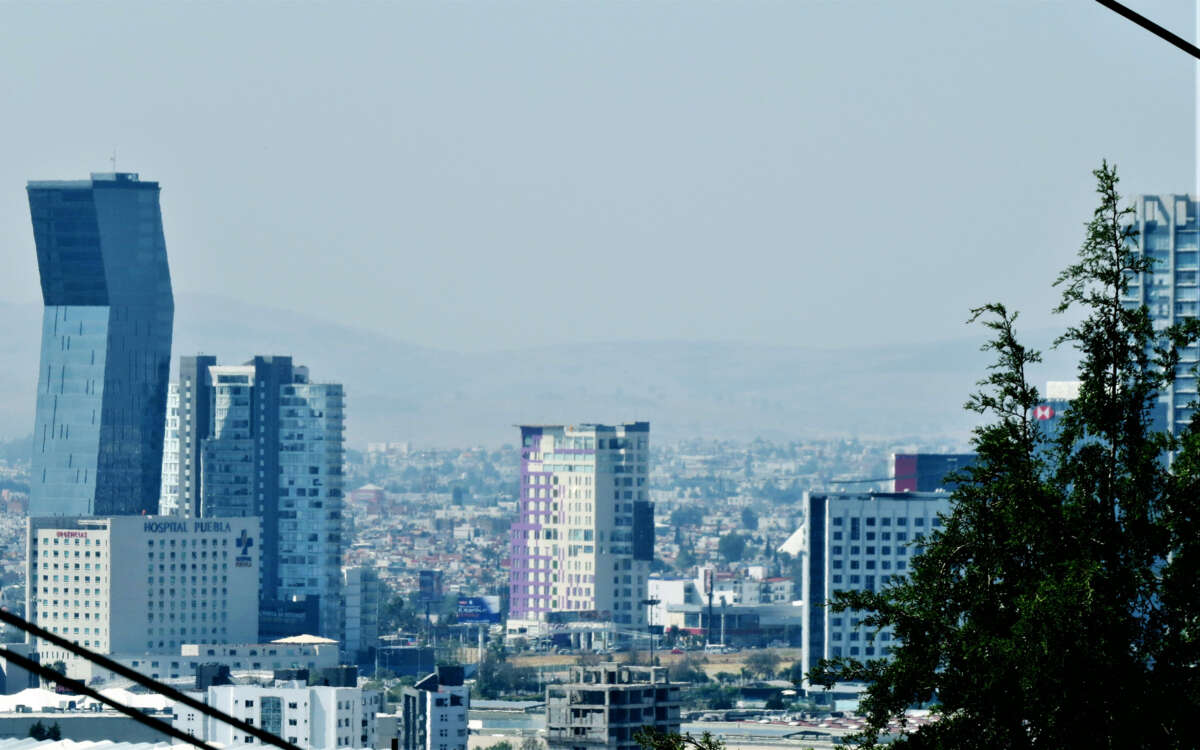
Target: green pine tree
[{"x": 1058, "y": 607}]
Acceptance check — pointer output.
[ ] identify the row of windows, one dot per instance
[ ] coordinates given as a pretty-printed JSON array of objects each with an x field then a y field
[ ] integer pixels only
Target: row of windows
[
  {"x": 855, "y": 651},
  {"x": 87, "y": 541},
  {"x": 869, "y": 564},
  {"x": 856, "y": 550},
  {"x": 886, "y": 521},
  {"x": 867, "y": 582},
  {"x": 871, "y": 536},
  {"x": 67, "y": 553},
  {"x": 66, "y": 566}
]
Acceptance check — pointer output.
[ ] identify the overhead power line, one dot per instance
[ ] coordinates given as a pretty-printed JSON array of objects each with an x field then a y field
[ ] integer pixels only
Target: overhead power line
[
  {"x": 866, "y": 481},
  {"x": 158, "y": 687},
  {"x": 78, "y": 687},
  {"x": 1152, "y": 27}
]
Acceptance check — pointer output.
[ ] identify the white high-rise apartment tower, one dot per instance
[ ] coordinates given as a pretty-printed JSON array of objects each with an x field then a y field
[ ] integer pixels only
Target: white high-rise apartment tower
[{"x": 584, "y": 538}]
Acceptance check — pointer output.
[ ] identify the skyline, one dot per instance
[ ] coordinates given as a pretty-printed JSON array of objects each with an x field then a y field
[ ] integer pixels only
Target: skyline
[
  {"x": 453, "y": 166},
  {"x": 794, "y": 236}
]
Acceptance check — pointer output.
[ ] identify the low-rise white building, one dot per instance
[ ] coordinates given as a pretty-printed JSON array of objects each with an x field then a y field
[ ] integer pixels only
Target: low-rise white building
[
  {"x": 433, "y": 712},
  {"x": 299, "y": 652},
  {"x": 317, "y": 717},
  {"x": 141, "y": 584},
  {"x": 744, "y": 611}
]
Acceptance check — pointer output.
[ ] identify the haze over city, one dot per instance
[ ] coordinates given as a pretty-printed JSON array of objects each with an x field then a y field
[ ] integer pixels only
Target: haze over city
[
  {"x": 600, "y": 375},
  {"x": 503, "y": 178}
]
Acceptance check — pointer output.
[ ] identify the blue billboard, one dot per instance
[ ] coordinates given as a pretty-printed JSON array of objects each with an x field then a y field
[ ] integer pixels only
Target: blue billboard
[{"x": 479, "y": 609}]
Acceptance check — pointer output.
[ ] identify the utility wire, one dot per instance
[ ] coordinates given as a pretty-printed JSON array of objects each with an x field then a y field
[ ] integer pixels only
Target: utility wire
[
  {"x": 141, "y": 679},
  {"x": 864, "y": 481},
  {"x": 1152, "y": 27},
  {"x": 76, "y": 686}
]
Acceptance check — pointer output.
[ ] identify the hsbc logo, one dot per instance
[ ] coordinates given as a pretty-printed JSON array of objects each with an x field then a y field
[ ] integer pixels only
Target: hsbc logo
[{"x": 1043, "y": 412}]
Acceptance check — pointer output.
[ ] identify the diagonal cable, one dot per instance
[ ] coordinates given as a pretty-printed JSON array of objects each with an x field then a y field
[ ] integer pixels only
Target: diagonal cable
[
  {"x": 76, "y": 686},
  {"x": 1152, "y": 27},
  {"x": 129, "y": 674}
]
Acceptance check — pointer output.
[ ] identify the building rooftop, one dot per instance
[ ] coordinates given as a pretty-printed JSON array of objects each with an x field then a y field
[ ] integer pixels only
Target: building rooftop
[
  {"x": 612, "y": 673},
  {"x": 106, "y": 179},
  {"x": 304, "y": 640}
]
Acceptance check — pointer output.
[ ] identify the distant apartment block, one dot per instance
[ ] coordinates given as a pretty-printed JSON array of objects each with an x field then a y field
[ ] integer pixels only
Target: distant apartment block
[
  {"x": 433, "y": 712},
  {"x": 138, "y": 584},
  {"x": 262, "y": 439},
  {"x": 608, "y": 704},
  {"x": 1168, "y": 234},
  {"x": 858, "y": 542},
  {"x": 106, "y": 346},
  {"x": 362, "y": 594},
  {"x": 1058, "y": 397},
  {"x": 316, "y": 717},
  {"x": 584, "y": 538}
]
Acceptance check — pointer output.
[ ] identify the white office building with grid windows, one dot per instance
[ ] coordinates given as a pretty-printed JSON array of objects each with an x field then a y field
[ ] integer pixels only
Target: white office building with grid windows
[
  {"x": 858, "y": 542},
  {"x": 316, "y": 717},
  {"x": 141, "y": 584}
]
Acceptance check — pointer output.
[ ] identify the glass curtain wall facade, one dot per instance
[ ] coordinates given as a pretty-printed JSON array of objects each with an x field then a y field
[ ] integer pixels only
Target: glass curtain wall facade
[
  {"x": 106, "y": 346},
  {"x": 260, "y": 439}
]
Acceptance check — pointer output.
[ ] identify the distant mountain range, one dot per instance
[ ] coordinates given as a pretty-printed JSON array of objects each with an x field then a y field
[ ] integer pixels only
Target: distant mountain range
[{"x": 714, "y": 390}]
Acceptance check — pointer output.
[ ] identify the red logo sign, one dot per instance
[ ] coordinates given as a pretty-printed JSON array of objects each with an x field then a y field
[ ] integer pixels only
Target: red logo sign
[{"x": 1043, "y": 412}]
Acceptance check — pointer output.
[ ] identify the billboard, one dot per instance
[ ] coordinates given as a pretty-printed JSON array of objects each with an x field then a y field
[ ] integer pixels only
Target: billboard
[{"x": 479, "y": 609}]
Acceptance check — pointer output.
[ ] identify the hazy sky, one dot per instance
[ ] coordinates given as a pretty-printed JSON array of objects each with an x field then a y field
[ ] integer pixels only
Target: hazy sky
[{"x": 493, "y": 175}]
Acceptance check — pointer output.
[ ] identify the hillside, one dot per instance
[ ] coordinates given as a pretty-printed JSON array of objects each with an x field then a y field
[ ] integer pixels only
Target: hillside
[{"x": 399, "y": 391}]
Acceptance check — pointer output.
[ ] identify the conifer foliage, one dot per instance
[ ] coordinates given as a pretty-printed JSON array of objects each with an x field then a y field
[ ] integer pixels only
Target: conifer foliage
[{"x": 1059, "y": 606}]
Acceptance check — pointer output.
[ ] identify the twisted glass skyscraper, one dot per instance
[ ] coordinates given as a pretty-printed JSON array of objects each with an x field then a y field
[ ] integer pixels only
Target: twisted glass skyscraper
[{"x": 106, "y": 346}]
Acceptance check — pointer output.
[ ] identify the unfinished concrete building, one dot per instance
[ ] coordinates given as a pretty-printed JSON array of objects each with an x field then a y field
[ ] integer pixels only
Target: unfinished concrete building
[{"x": 606, "y": 705}]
